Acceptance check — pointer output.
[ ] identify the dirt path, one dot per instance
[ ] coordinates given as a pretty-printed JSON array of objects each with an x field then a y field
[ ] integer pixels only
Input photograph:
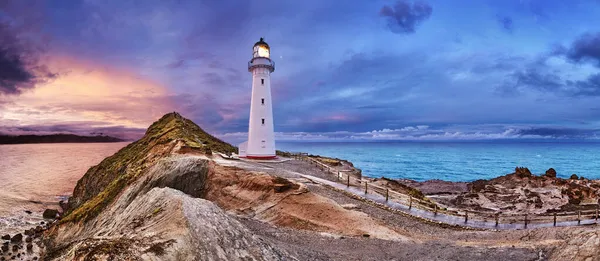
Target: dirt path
[{"x": 430, "y": 241}]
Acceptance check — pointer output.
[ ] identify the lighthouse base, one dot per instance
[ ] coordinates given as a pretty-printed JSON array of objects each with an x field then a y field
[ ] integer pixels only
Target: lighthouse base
[{"x": 262, "y": 157}]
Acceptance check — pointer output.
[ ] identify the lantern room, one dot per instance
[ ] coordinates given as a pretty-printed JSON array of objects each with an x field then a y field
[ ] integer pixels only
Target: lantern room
[{"x": 261, "y": 49}]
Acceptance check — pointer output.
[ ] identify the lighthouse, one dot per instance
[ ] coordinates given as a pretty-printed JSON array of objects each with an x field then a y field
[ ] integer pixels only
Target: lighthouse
[{"x": 261, "y": 136}]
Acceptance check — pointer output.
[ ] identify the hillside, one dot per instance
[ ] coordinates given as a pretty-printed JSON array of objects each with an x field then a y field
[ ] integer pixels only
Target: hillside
[
  {"x": 101, "y": 183},
  {"x": 55, "y": 138}
]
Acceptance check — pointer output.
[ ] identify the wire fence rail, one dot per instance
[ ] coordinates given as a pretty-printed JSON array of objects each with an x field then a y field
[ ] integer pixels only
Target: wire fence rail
[{"x": 429, "y": 209}]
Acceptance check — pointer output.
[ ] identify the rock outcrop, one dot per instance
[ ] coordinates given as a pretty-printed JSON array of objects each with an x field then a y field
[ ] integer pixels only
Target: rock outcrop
[{"x": 523, "y": 192}]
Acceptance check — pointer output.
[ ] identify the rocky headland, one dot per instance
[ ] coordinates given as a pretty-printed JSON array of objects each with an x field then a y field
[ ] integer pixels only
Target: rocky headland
[{"x": 175, "y": 195}]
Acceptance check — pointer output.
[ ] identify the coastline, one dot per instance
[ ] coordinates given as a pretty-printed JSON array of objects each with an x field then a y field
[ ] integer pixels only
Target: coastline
[{"x": 159, "y": 198}]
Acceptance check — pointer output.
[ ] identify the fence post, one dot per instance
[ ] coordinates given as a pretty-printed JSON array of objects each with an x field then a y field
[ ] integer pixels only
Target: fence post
[
  {"x": 497, "y": 218},
  {"x": 579, "y": 217},
  {"x": 366, "y": 187},
  {"x": 387, "y": 195},
  {"x": 525, "y": 220},
  {"x": 435, "y": 213},
  {"x": 410, "y": 203},
  {"x": 554, "y": 218},
  {"x": 348, "y": 185},
  {"x": 466, "y": 216}
]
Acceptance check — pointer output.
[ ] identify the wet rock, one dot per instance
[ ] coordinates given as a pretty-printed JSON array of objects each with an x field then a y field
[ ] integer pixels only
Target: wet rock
[
  {"x": 15, "y": 248},
  {"x": 35, "y": 258},
  {"x": 29, "y": 232},
  {"x": 50, "y": 213},
  {"x": 574, "y": 176},
  {"x": 63, "y": 205},
  {"x": 39, "y": 229},
  {"x": 4, "y": 248},
  {"x": 551, "y": 173},
  {"x": 6, "y": 237},
  {"x": 29, "y": 246},
  {"x": 28, "y": 239},
  {"x": 17, "y": 238}
]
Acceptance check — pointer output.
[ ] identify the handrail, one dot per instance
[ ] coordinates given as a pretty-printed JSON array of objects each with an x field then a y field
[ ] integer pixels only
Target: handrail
[{"x": 430, "y": 206}]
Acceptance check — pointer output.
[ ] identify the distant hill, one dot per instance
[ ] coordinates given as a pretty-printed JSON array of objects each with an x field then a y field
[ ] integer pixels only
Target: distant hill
[{"x": 55, "y": 138}]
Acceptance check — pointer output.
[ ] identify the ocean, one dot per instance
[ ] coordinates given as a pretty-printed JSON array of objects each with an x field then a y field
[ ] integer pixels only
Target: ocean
[
  {"x": 458, "y": 161},
  {"x": 34, "y": 177}
]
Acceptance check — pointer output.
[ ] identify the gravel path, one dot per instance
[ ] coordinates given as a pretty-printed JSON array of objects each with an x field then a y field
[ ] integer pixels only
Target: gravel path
[{"x": 432, "y": 241}]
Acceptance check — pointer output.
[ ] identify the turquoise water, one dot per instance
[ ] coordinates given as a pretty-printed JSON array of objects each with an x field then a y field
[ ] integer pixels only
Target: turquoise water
[{"x": 458, "y": 161}]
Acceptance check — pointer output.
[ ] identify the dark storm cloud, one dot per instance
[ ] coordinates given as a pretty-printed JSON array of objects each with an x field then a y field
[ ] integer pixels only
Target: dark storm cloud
[
  {"x": 506, "y": 23},
  {"x": 585, "y": 49},
  {"x": 20, "y": 68},
  {"x": 403, "y": 18}
]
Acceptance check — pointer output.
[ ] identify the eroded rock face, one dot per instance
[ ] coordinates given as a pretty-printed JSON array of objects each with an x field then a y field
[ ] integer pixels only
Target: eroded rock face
[
  {"x": 523, "y": 192},
  {"x": 580, "y": 244},
  {"x": 162, "y": 224}
]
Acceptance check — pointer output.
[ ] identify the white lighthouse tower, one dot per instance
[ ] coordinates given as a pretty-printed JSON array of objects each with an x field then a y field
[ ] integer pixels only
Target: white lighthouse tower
[{"x": 261, "y": 137}]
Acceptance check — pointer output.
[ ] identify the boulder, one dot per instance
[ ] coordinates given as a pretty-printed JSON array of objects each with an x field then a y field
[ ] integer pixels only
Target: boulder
[
  {"x": 29, "y": 246},
  {"x": 6, "y": 237},
  {"x": 551, "y": 173},
  {"x": 523, "y": 172},
  {"x": 574, "y": 176},
  {"x": 50, "y": 213},
  {"x": 4, "y": 248},
  {"x": 17, "y": 238}
]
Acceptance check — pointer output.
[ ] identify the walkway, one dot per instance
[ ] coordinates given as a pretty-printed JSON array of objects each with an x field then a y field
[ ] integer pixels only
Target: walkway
[{"x": 436, "y": 217}]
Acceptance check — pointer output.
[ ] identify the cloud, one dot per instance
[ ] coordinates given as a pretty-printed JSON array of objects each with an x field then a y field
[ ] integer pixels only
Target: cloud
[
  {"x": 20, "y": 65},
  {"x": 506, "y": 23},
  {"x": 88, "y": 93},
  {"x": 404, "y": 18},
  {"x": 533, "y": 78},
  {"x": 586, "y": 48},
  {"x": 427, "y": 133}
]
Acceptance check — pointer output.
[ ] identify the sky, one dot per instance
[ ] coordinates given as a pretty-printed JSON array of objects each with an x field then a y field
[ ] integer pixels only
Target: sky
[{"x": 345, "y": 70}]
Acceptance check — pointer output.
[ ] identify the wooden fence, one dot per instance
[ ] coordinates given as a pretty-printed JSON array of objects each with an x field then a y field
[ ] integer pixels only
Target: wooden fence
[{"x": 496, "y": 218}]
